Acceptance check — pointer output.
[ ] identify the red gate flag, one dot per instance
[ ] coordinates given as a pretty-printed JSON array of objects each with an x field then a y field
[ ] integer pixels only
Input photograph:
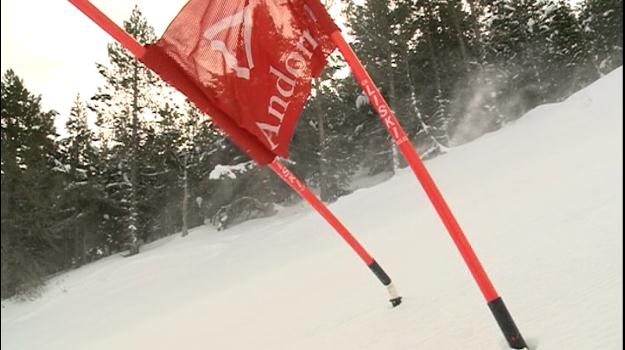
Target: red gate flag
[
  {"x": 252, "y": 61},
  {"x": 162, "y": 63}
]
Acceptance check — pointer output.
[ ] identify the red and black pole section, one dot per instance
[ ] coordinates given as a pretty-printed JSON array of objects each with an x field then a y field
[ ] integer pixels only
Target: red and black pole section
[
  {"x": 506, "y": 324},
  {"x": 299, "y": 187},
  {"x": 495, "y": 303}
]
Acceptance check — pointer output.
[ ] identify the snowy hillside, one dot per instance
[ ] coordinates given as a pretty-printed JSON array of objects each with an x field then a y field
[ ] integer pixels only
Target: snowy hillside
[{"x": 540, "y": 200}]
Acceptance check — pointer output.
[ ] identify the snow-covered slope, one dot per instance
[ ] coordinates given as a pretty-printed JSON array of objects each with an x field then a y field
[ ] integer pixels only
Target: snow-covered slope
[{"x": 540, "y": 200}]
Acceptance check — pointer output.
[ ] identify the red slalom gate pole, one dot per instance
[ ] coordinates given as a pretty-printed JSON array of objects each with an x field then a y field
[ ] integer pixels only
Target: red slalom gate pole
[
  {"x": 494, "y": 301},
  {"x": 298, "y": 186},
  {"x": 99, "y": 18}
]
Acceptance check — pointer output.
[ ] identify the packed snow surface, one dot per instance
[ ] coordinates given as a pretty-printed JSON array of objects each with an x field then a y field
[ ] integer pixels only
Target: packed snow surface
[{"x": 541, "y": 201}]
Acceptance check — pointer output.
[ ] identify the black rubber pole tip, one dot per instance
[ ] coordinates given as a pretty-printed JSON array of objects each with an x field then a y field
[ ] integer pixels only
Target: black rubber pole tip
[{"x": 395, "y": 301}]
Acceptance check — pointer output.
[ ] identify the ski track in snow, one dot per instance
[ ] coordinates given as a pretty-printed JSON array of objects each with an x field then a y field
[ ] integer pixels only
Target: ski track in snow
[{"x": 540, "y": 200}]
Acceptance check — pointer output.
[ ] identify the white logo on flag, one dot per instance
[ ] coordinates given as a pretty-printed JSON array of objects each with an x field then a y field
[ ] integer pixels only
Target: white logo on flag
[{"x": 243, "y": 17}]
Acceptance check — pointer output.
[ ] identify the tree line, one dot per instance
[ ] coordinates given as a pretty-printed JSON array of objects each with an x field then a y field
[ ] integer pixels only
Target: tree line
[{"x": 153, "y": 165}]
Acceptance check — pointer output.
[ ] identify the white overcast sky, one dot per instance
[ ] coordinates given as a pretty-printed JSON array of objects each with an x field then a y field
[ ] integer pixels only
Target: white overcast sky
[{"x": 54, "y": 47}]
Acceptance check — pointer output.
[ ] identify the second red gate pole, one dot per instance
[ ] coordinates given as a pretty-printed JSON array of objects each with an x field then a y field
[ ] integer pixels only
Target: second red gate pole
[{"x": 494, "y": 301}]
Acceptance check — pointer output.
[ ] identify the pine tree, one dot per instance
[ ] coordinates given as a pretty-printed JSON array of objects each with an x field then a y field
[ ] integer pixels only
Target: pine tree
[
  {"x": 442, "y": 57},
  {"x": 602, "y": 23},
  {"x": 123, "y": 105},
  {"x": 176, "y": 150},
  {"x": 515, "y": 46},
  {"x": 158, "y": 188},
  {"x": 409, "y": 105},
  {"x": 330, "y": 151},
  {"x": 79, "y": 143},
  {"x": 83, "y": 194},
  {"x": 202, "y": 148},
  {"x": 374, "y": 29},
  {"x": 566, "y": 52},
  {"x": 30, "y": 188},
  {"x": 198, "y": 136}
]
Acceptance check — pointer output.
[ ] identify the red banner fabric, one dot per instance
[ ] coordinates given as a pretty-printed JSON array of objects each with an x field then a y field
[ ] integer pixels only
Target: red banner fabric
[{"x": 252, "y": 60}]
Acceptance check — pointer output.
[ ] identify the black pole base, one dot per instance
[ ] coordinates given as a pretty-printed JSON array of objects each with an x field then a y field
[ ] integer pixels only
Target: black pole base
[
  {"x": 379, "y": 272},
  {"x": 395, "y": 301},
  {"x": 507, "y": 325}
]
